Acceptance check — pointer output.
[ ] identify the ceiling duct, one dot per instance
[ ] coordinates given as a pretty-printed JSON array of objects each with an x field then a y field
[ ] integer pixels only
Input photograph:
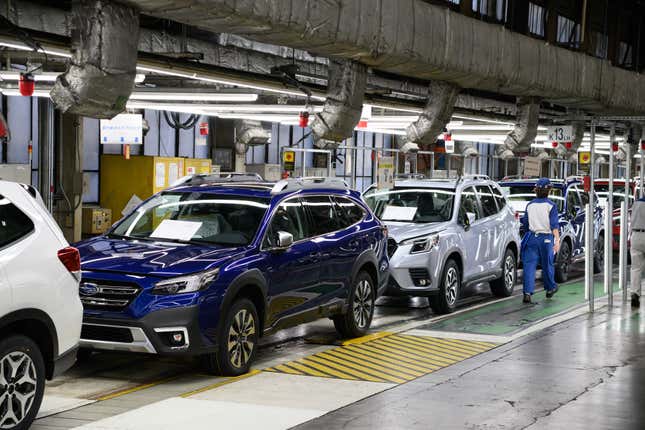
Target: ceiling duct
[
  {"x": 100, "y": 78},
  {"x": 249, "y": 133},
  {"x": 343, "y": 105},
  {"x": 432, "y": 121},
  {"x": 467, "y": 149},
  {"x": 525, "y": 131}
]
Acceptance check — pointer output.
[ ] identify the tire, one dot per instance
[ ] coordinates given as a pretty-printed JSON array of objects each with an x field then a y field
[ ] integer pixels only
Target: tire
[
  {"x": 357, "y": 320},
  {"x": 446, "y": 301},
  {"x": 237, "y": 341},
  {"x": 599, "y": 254},
  {"x": 505, "y": 284},
  {"x": 562, "y": 263},
  {"x": 22, "y": 382}
]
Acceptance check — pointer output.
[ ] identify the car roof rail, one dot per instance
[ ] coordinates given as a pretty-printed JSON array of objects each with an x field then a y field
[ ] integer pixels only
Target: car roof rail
[
  {"x": 293, "y": 184},
  {"x": 207, "y": 178}
]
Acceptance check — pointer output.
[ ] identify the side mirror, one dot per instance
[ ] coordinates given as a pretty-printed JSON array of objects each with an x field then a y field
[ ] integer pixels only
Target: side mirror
[{"x": 283, "y": 241}]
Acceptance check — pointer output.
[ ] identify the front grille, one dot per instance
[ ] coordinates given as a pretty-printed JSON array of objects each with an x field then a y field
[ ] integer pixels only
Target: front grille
[
  {"x": 106, "y": 333},
  {"x": 391, "y": 247},
  {"x": 102, "y": 295},
  {"x": 420, "y": 276}
]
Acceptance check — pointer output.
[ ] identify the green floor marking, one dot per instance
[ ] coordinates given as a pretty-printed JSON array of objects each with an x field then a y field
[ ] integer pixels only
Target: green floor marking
[{"x": 510, "y": 316}]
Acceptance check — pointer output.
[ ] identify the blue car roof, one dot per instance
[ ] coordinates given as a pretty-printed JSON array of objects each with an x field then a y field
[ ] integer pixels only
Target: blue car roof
[
  {"x": 531, "y": 183},
  {"x": 261, "y": 189}
]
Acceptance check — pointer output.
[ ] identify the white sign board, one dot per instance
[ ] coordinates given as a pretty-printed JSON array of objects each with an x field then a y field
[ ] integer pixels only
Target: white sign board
[
  {"x": 560, "y": 134},
  {"x": 385, "y": 173},
  {"x": 450, "y": 146},
  {"x": 532, "y": 166},
  {"x": 122, "y": 129},
  {"x": 180, "y": 230}
]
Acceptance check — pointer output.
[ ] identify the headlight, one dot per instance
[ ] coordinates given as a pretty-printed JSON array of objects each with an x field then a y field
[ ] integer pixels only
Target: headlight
[
  {"x": 185, "y": 284},
  {"x": 423, "y": 244}
]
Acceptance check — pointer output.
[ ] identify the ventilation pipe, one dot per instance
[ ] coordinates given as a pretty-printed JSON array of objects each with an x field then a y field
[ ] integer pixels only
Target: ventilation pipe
[
  {"x": 249, "y": 133},
  {"x": 432, "y": 121},
  {"x": 343, "y": 106},
  {"x": 467, "y": 149},
  {"x": 525, "y": 131},
  {"x": 578, "y": 135},
  {"x": 99, "y": 81}
]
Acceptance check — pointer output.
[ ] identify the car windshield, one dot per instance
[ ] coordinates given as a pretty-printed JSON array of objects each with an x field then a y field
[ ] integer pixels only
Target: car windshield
[
  {"x": 520, "y": 196},
  {"x": 423, "y": 205},
  {"x": 213, "y": 219},
  {"x": 602, "y": 190}
]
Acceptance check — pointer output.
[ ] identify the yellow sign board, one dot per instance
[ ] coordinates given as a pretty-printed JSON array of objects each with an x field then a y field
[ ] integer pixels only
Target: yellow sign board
[
  {"x": 289, "y": 160},
  {"x": 584, "y": 157}
]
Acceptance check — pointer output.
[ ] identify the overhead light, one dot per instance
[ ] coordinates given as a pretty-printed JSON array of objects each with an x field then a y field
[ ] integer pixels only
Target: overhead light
[
  {"x": 8, "y": 43},
  {"x": 196, "y": 97},
  {"x": 16, "y": 92},
  {"x": 51, "y": 76}
]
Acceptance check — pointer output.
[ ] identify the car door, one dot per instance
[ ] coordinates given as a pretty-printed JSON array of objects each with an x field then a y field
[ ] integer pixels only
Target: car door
[
  {"x": 338, "y": 246},
  {"x": 293, "y": 275},
  {"x": 474, "y": 237},
  {"x": 576, "y": 213},
  {"x": 493, "y": 226}
]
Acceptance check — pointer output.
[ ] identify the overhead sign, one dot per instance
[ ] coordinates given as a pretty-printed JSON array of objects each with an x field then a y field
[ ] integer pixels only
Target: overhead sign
[
  {"x": 289, "y": 160},
  {"x": 532, "y": 166},
  {"x": 385, "y": 173},
  {"x": 560, "y": 133},
  {"x": 122, "y": 129}
]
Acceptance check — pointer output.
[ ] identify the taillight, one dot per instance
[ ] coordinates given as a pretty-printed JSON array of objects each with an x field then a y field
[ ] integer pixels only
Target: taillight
[{"x": 71, "y": 259}]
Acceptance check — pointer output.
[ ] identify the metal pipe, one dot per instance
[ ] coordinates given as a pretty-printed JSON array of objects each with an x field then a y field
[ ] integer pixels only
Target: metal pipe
[
  {"x": 609, "y": 217},
  {"x": 641, "y": 176},
  {"x": 623, "y": 224},
  {"x": 589, "y": 227}
]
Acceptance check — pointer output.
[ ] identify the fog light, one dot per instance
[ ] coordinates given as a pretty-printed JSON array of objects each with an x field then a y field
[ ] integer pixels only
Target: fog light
[
  {"x": 174, "y": 338},
  {"x": 178, "y": 338}
]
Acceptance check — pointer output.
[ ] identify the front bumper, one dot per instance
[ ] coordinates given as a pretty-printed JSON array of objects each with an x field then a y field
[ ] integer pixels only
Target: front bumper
[
  {"x": 148, "y": 334},
  {"x": 413, "y": 274}
]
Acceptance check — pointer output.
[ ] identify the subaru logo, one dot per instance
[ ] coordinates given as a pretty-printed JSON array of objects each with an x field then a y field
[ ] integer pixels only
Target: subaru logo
[{"x": 88, "y": 289}]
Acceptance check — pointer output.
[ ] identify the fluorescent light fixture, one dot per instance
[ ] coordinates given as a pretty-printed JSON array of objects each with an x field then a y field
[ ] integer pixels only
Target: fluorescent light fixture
[
  {"x": 51, "y": 76},
  {"x": 193, "y": 97},
  {"x": 22, "y": 47},
  {"x": 16, "y": 92}
]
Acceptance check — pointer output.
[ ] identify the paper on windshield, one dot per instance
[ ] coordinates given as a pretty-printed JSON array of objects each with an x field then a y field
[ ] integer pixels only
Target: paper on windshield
[
  {"x": 398, "y": 213},
  {"x": 178, "y": 230},
  {"x": 519, "y": 205}
]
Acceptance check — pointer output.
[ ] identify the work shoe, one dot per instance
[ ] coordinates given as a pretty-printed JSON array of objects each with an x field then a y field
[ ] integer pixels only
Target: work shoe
[
  {"x": 552, "y": 292},
  {"x": 636, "y": 300},
  {"x": 527, "y": 298}
]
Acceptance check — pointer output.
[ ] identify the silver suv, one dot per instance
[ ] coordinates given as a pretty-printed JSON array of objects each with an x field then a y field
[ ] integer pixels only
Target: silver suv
[{"x": 445, "y": 235}]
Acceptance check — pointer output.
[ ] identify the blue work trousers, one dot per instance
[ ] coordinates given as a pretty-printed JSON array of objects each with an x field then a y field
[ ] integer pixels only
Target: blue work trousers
[{"x": 538, "y": 248}]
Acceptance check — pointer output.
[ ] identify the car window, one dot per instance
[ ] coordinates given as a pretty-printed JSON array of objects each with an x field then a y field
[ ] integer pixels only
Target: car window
[
  {"x": 418, "y": 205},
  {"x": 323, "y": 215},
  {"x": 499, "y": 198},
  {"x": 14, "y": 224},
  {"x": 573, "y": 199},
  {"x": 216, "y": 219},
  {"x": 349, "y": 213},
  {"x": 289, "y": 217},
  {"x": 519, "y": 196},
  {"x": 487, "y": 200},
  {"x": 584, "y": 197},
  {"x": 469, "y": 204}
]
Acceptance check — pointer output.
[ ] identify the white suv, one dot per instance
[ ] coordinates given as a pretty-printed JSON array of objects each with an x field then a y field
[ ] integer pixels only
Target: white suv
[{"x": 40, "y": 309}]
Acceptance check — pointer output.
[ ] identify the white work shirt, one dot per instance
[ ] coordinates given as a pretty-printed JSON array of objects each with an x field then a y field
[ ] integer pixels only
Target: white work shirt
[
  {"x": 541, "y": 216},
  {"x": 638, "y": 215}
]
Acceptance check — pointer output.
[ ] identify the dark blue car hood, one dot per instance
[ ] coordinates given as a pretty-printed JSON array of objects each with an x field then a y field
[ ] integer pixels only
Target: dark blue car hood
[{"x": 151, "y": 258}]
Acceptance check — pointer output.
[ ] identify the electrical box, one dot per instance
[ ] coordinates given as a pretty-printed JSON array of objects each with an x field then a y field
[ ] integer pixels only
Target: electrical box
[
  {"x": 96, "y": 220},
  {"x": 140, "y": 176},
  {"x": 197, "y": 166},
  {"x": 16, "y": 173},
  {"x": 270, "y": 172}
]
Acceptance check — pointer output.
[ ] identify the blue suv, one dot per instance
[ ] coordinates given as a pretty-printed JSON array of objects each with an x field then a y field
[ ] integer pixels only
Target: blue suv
[
  {"x": 205, "y": 269},
  {"x": 571, "y": 200}
]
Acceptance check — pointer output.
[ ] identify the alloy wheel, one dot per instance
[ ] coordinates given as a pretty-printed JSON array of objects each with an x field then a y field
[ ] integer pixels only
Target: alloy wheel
[
  {"x": 509, "y": 272},
  {"x": 18, "y": 383},
  {"x": 241, "y": 338},
  {"x": 452, "y": 285},
  {"x": 362, "y": 305}
]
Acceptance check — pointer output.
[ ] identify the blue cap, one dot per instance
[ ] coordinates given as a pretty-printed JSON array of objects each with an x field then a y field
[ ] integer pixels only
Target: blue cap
[{"x": 543, "y": 183}]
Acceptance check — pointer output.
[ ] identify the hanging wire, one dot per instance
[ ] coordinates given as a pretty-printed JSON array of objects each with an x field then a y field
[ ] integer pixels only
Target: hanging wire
[{"x": 173, "y": 119}]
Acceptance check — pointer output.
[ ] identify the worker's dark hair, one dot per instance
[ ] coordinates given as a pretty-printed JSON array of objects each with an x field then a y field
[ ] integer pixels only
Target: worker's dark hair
[{"x": 542, "y": 193}]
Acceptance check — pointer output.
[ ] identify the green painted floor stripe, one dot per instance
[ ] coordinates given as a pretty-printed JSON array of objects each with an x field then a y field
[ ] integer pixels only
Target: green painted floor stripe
[{"x": 511, "y": 316}]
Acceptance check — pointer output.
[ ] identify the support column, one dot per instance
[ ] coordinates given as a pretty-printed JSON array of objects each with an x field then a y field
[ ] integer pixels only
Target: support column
[
  {"x": 609, "y": 214},
  {"x": 46, "y": 151},
  {"x": 69, "y": 202}
]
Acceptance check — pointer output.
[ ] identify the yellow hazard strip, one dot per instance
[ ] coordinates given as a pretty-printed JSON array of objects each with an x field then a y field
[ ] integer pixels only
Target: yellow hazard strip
[
  {"x": 220, "y": 384},
  {"x": 385, "y": 357},
  {"x": 135, "y": 389},
  {"x": 364, "y": 339},
  {"x": 374, "y": 371}
]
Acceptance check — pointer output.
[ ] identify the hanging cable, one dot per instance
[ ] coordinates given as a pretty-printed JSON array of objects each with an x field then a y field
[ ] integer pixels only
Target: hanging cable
[{"x": 173, "y": 120}]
